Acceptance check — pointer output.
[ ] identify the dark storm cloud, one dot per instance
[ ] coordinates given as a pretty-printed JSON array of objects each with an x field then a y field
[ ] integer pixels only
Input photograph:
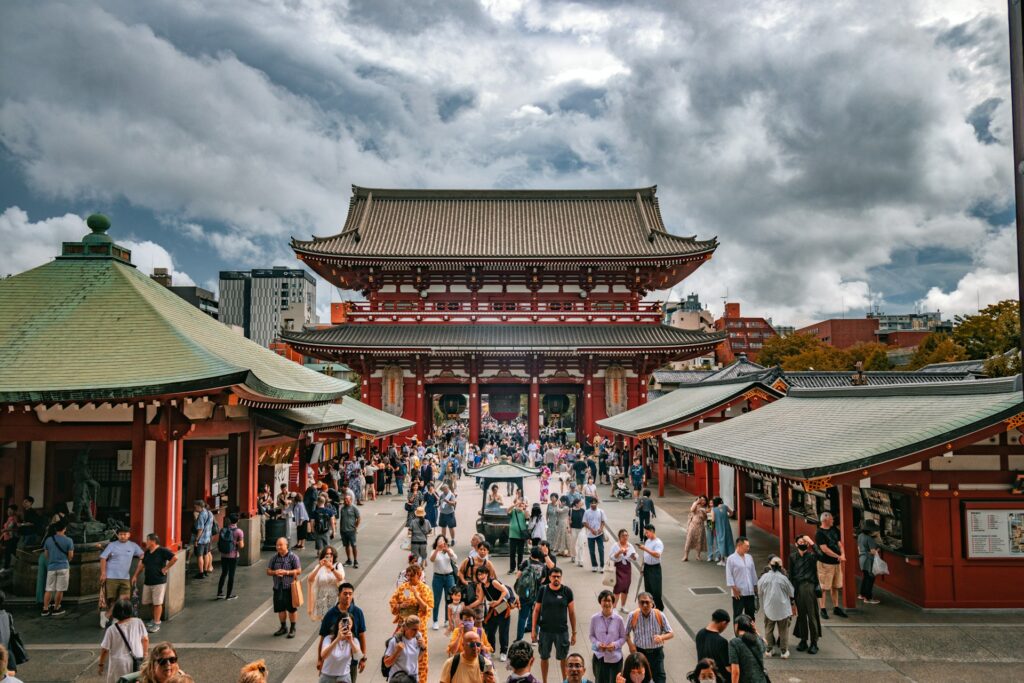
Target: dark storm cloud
[
  {"x": 584, "y": 100},
  {"x": 450, "y": 105},
  {"x": 403, "y": 16},
  {"x": 980, "y": 118}
]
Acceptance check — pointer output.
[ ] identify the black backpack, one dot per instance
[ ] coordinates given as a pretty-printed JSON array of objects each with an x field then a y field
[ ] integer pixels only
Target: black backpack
[
  {"x": 321, "y": 525},
  {"x": 526, "y": 585},
  {"x": 481, "y": 661},
  {"x": 226, "y": 540}
]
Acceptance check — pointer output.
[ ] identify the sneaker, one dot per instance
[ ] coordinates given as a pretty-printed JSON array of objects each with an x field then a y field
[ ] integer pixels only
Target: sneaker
[
  {"x": 232, "y": 597},
  {"x": 45, "y": 613},
  {"x": 768, "y": 654},
  {"x": 220, "y": 596},
  {"x": 291, "y": 631},
  {"x": 153, "y": 628},
  {"x": 785, "y": 654},
  {"x": 348, "y": 563},
  {"x": 200, "y": 575},
  {"x": 504, "y": 656},
  {"x": 840, "y": 612},
  {"x": 436, "y": 626},
  {"x": 281, "y": 631},
  {"x": 802, "y": 646},
  {"x": 355, "y": 565},
  {"x": 824, "y": 613},
  {"x": 58, "y": 611},
  {"x": 813, "y": 649},
  {"x": 872, "y": 601}
]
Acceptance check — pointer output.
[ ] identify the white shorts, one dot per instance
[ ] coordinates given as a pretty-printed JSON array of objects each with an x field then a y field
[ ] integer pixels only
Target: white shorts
[
  {"x": 57, "y": 580},
  {"x": 154, "y": 595}
]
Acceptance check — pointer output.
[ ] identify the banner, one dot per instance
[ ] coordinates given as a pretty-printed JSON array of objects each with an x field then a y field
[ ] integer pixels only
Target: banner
[
  {"x": 615, "y": 398},
  {"x": 393, "y": 390}
]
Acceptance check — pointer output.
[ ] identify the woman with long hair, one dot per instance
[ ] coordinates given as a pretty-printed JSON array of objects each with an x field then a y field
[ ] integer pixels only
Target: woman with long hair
[
  {"x": 537, "y": 526},
  {"x": 724, "y": 546},
  {"x": 161, "y": 666},
  {"x": 696, "y": 534},
  {"x": 622, "y": 554},
  {"x": 323, "y": 582},
  {"x": 124, "y": 640},
  {"x": 706, "y": 671}
]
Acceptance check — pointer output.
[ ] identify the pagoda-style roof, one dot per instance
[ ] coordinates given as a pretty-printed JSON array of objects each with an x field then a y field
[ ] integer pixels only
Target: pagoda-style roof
[
  {"x": 350, "y": 415},
  {"x": 816, "y": 433},
  {"x": 682, "y": 405},
  {"x": 90, "y": 327},
  {"x": 502, "y": 338},
  {"x": 504, "y": 225}
]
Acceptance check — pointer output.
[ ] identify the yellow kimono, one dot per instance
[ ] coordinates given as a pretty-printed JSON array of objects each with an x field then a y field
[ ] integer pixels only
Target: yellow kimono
[{"x": 403, "y": 603}]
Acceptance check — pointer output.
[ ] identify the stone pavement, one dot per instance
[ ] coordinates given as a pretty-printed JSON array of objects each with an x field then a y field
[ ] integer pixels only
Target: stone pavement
[{"x": 888, "y": 642}]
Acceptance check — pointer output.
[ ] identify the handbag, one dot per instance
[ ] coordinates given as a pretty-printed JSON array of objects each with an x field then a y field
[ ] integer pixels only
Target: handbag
[
  {"x": 297, "y": 597},
  {"x": 15, "y": 646},
  {"x": 136, "y": 661},
  {"x": 879, "y": 567}
]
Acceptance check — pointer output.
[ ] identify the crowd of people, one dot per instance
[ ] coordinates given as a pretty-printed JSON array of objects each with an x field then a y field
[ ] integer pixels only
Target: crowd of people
[{"x": 526, "y": 613}]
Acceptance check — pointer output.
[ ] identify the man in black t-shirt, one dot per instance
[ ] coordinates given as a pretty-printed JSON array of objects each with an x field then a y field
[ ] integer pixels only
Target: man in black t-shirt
[
  {"x": 710, "y": 642},
  {"x": 553, "y": 614},
  {"x": 156, "y": 562},
  {"x": 830, "y": 564}
]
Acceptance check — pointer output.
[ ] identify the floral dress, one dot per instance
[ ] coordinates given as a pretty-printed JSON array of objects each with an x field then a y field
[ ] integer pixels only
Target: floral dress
[
  {"x": 696, "y": 530},
  {"x": 545, "y": 484},
  {"x": 403, "y": 603},
  {"x": 564, "y": 542},
  {"x": 323, "y": 591}
]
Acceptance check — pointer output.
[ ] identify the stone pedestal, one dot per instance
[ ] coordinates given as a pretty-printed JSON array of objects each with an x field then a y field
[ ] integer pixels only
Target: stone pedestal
[
  {"x": 83, "y": 579},
  {"x": 250, "y": 554}
]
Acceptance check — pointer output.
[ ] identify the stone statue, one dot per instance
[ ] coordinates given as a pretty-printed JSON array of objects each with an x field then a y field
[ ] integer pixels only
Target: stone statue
[{"x": 85, "y": 489}]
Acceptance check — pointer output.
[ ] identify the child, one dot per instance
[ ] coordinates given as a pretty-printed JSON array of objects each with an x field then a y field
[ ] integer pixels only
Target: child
[
  {"x": 454, "y": 610},
  {"x": 520, "y": 658},
  {"x": 467, "y": 622},
  {"x": 338, "y": 653}
]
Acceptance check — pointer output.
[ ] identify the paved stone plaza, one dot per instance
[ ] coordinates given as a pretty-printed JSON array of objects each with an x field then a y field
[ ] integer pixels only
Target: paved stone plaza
[{"x": 889, "y": 642}]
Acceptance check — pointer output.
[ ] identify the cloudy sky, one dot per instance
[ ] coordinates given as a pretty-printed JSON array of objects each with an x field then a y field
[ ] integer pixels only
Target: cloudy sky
[{"x": 842, "y": 152}]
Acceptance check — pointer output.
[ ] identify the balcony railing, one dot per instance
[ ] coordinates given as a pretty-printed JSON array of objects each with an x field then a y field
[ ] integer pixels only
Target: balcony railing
[{"x": 499, "y": 311}]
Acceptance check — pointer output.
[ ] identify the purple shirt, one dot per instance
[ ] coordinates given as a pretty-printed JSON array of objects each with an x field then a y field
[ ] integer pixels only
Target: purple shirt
[{"x": 610, "y": 629}]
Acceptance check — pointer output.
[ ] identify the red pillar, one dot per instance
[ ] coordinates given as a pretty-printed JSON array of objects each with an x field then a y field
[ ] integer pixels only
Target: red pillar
[
  {"x": 474, "y": 411},
  {"x": 164, "y": 505},
  {"x": 661, "y": 467},
  {"x": 785, "y": 521},
  {"x": 533, "y": 419},
  {"x": 849, "y": 541},
  {"x": 138, "y": 504},
  {"x": 709, "y": 478},
  {"x": 421, "y": 427},
  {"x": 588, "y": 428},
  {"x": 741, "y": 502},
  {"x": 247, "y": 476},
  {"x": 641, "y": 387}
]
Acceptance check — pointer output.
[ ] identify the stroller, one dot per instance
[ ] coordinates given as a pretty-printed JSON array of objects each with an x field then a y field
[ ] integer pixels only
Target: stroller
[{"x": 621, "y": 491}]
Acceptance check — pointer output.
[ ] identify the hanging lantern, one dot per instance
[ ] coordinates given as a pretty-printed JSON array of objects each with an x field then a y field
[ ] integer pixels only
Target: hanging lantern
[
  {"x": 452, "y": 405},
  {"x": 556, "y": 404}
]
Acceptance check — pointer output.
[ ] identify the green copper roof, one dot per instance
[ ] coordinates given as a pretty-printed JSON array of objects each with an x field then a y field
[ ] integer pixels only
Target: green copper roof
[
  {"x": 686, "y": 402},
  {"x": 819, "y": 432},
  {"x": 89, "y": 329},
  {"x": 350, "y": 414}
]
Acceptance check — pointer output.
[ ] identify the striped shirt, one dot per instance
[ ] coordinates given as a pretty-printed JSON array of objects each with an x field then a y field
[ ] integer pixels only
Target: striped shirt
[{"x": 644, "y": 628}]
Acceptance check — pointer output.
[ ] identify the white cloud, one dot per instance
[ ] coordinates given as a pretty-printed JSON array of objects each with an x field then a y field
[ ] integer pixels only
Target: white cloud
[
  {"x": 992, "y": 279},
  {"x": 147, "y": 256},
  {"x": 30, "y": 244}
]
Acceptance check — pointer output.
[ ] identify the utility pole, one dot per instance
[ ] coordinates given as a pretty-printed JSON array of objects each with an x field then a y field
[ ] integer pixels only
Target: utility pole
[{"x": 1017, "y": 100}]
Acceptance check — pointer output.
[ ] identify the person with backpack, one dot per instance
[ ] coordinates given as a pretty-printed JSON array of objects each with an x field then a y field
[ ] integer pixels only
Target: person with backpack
[
  {"x": 323, "y": 519},
  {"x": 203, "y": 531},
  {"x": 405, "y": 652},
  {"x": 746, "y": 652},
  {"x": 527, "y": 585},
  {"x": 444, "y": 561},
  {"x": 553, "y": 614},
  {"x": 230, "y": 540},
  {"x": 497, "y": 616},
  {"x": 468, "y": 665},
  {"x": 468, "y": 624},
  {"x": 647, "y": 631}
]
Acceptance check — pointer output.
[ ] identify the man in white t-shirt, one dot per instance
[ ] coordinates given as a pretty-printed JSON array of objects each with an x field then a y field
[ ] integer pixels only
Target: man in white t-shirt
[
  {"x": 595, "y": 522},
  {"x": 405, "y": 649}
]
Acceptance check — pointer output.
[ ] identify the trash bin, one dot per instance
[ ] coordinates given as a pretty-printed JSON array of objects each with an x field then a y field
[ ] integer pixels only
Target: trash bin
[{"x": 275, "y": 529}]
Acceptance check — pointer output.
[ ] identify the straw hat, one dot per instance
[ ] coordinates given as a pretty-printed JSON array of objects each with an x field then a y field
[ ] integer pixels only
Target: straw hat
[{"x": 420, "y": 512}]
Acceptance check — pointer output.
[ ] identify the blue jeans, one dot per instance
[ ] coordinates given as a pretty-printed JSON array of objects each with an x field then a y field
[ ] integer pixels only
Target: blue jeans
[
  {"x": 399, "y": 480},
  {"x": 442, "y": 583},
  {"x": 524, "y": 620}
]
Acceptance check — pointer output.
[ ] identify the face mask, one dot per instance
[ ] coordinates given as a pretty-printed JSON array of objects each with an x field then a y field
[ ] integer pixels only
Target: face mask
[
  {"x": 801, "y": 547},
  {"x": 636, "y": 676},
  {"x": 468, "y": 624}
]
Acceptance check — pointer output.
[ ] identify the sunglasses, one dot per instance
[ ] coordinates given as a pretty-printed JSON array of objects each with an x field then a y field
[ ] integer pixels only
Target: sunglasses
[
  {"x": 167, "y": 661},
  {"x": 475, "y": 644}
]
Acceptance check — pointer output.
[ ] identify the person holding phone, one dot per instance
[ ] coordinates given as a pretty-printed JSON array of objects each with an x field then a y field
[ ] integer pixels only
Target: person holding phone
[{"x": 337, "y": 653}]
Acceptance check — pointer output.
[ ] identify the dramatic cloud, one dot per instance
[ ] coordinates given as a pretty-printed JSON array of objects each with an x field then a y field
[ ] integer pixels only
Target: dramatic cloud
[{"x": 828, "y": 145}]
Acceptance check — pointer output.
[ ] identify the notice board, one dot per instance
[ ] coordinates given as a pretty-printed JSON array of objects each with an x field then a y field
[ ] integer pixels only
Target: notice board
[{"x": 993, "y": 531}]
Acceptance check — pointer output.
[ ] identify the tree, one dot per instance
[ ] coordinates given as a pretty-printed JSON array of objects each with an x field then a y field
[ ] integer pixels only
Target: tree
[
  {"x": 872, "y": 354},
  {"x": 824, "y": 357},
  {"x": 1003, "y": 365},
  {"x": 993, "y": 331},
  {"x": 936, "y": 348},
  {"x": 777, "y": 349}
]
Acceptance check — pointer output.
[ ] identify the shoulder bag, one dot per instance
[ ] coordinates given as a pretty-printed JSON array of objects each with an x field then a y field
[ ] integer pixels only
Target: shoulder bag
[
  {"x": 136, "y": 661},
  {"x": 15, "y": 645}
]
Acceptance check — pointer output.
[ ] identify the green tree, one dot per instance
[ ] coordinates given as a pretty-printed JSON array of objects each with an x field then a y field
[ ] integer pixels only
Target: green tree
[
  {"x": 872, "y": 354},
  {"x": 936, "y": 348},
  {"x": 777, "y": 349},
  {"x": 993, "y": 331},
  {"x": 824, "y": 357},
  {"x": 1003, "y": 365}
]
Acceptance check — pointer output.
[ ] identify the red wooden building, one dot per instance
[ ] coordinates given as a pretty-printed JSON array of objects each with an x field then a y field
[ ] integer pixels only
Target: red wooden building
[{"x": 495, "y": 294}]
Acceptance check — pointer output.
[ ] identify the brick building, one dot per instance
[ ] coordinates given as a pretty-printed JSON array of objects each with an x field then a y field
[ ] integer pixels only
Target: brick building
[{"x": 744, "y": 334}]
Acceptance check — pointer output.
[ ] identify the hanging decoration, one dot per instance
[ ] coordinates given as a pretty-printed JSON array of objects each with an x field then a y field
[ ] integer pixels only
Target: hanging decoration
[
  {"x": 556, "y": 405},
  {"x": 615, "y": 390},
  {"x": 504, "y": 407},
  {"x": 393, "y": 390},
  {"x": 452, "y": 405}
]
